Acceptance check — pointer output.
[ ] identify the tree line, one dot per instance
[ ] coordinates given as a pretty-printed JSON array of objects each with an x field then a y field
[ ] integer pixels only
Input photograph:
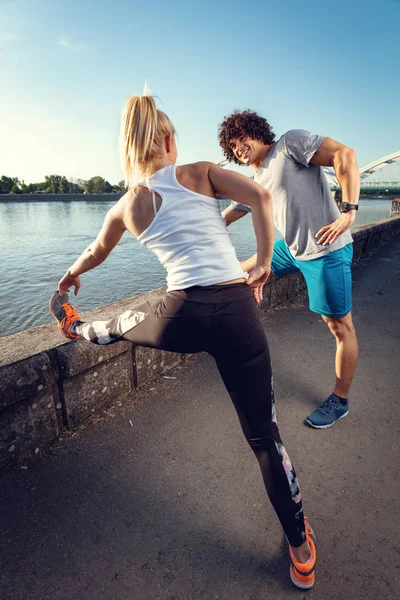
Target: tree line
[{"x": 58, "y": 184}]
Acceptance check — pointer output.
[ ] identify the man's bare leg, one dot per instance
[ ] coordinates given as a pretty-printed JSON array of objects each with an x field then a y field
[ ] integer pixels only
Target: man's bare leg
[
  {"x": 346, "y": 352},
  {"x": 336, "y": 405}
]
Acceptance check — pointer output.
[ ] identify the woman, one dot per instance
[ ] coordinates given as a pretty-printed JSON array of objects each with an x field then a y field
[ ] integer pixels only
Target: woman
[{"x": 209, "y": 305}]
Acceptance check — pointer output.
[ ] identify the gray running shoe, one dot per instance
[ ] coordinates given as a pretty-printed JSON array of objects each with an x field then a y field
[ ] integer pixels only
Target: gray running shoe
[{"x": 328, "y": 413}]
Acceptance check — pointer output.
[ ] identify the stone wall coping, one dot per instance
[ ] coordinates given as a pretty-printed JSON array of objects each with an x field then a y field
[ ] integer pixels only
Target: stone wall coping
[
  {"x": 32, "y": 341},
  {"x": 355, "y": 231}
]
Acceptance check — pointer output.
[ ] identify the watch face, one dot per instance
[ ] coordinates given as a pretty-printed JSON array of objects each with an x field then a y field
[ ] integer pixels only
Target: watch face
[{"x": 344, "y": 206}]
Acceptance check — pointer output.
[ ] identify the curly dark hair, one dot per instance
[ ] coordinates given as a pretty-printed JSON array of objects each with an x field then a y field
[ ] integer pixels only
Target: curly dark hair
[{"x": 243, "y": 123}]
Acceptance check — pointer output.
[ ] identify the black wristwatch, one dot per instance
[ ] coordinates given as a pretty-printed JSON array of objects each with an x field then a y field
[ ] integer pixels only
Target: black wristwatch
[{"x": 345, "y": 207}]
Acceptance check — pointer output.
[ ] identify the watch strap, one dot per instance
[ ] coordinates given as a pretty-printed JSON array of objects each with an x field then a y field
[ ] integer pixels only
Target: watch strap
[{"x": 346, "y": 206}]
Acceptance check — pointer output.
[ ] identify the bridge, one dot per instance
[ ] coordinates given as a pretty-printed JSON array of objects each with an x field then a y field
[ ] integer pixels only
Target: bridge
[{"x": 371, "y": 185}]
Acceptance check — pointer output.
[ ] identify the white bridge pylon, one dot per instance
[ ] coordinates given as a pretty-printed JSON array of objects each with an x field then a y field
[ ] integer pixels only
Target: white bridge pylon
[
  {"x": 365, "y": 172},
  {"x": 379, "y": 164}
]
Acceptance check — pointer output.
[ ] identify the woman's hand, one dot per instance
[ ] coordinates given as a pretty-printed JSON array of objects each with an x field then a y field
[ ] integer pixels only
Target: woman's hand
[
  {"x": 257, "y": 278},
  {"x": 69, "y": 281}
]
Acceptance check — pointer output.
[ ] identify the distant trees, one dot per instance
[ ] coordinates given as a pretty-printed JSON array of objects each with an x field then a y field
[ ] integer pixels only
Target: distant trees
[
  {"x": 7, "y": 183},
  {"x": 52, "y": 184},
  {"x": 65, "y": 186},
  {"x": 75, "y": 188},
  {"x": 59, "y": 184},
  {"x": 97, "y": 185}
]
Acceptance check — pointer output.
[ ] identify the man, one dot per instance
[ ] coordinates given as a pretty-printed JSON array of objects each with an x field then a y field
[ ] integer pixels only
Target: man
[{"x": 316, "y": 236}]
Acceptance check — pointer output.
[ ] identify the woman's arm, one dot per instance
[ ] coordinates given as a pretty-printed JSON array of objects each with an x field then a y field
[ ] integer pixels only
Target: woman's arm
[
  {"x": 97, "y": 252},
  {"x": 237, "y": 187}
]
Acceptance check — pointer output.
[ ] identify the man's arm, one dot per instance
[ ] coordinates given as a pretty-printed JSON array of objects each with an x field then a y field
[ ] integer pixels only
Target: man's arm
[
  {"x": 249, "y": 264},
  {"x": 343, "y": 160},
  {"x": 230, "y": 215}
]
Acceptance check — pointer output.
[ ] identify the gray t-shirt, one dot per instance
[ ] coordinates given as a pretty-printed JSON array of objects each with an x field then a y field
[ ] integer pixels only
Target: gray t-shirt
[{"x": 302, "y": 200}]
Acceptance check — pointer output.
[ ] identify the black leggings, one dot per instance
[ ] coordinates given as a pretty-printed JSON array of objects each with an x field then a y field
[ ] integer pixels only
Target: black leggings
[{"x": 222, "y": 320}]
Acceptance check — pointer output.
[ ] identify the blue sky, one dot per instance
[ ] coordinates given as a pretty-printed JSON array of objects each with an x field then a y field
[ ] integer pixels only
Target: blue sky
[{"x": 67, "y": 68}]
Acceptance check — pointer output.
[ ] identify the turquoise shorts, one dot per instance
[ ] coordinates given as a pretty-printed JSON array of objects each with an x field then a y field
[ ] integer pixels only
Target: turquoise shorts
[{"x": 328, "y": 278}]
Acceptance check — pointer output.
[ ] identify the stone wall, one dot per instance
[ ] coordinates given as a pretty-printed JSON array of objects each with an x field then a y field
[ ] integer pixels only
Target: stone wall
[{"x": 48, "y": 384}]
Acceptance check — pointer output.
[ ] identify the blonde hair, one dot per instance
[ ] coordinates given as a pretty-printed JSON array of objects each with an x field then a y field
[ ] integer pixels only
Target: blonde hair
[{"x": 143, "y": 129}]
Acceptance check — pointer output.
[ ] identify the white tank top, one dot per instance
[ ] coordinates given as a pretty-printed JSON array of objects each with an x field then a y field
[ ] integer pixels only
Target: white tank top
[{"x": 189, "y": 236}]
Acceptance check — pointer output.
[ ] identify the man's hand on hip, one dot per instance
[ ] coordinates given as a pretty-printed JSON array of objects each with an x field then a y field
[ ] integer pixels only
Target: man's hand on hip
[{"x": 330, "y": 233}]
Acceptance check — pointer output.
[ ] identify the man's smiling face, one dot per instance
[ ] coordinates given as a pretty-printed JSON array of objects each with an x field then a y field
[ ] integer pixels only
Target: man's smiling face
[{"x": 246, "y": 149}]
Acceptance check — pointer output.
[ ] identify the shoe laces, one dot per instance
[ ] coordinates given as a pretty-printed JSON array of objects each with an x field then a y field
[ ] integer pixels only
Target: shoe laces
[
  {"x": 71, "y": 315},
  {"x": 327, "y": 405}
]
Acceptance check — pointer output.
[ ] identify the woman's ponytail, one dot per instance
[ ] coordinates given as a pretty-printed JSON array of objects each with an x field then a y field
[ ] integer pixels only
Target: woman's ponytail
[{"x": 143, "y": 129}]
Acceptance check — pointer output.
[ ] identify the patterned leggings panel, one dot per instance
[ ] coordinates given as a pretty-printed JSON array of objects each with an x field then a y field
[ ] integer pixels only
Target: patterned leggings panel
[{"x": 223, "y": 321}]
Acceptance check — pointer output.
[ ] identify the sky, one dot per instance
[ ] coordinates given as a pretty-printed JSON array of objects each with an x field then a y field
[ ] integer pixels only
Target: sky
[{"x": 68, "y": 66}]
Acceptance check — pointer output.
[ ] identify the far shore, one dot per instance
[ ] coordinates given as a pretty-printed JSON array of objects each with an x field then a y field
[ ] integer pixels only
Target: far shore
[{"x": 59, "y": 197}]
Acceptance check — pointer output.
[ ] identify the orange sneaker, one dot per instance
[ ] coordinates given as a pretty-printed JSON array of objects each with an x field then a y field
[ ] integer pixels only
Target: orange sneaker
[
  {"x": 303, "y": 574},
  {"x": 63, "y": 312}
]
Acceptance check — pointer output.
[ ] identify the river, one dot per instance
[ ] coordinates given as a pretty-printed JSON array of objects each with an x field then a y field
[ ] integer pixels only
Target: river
[{"x": 40, "y": 240}]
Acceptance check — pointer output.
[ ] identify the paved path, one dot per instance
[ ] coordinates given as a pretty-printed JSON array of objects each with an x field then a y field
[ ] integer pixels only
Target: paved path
[{"x": 172, "y": 507}]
